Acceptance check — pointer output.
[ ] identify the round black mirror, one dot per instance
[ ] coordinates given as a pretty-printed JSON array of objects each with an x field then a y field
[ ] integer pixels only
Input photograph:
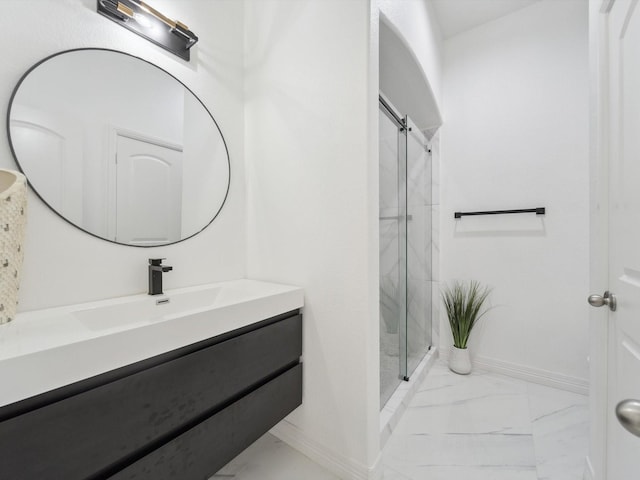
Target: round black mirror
[{"x": 118, "y": 147}]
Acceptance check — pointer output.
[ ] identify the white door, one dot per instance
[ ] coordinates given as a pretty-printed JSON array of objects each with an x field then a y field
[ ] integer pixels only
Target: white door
[
  {"x": 49, "y": 149},
  {"x": 623, "y": 448},
  {"x": 148, "y": 192}
]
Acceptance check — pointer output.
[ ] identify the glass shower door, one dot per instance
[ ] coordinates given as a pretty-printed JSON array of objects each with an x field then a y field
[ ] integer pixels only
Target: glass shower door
[
  {"x": 418, "y": 186},
  {"x": 392, "y": 250},
  {"x": 405, "y": 249}
]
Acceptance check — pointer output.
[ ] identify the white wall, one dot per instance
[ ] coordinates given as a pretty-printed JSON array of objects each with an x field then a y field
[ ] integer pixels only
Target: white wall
[
  {"x": 515, "y": 135},
  {"x": 64, "y": 265},
  {"x": 415, "y": 22},
  {"x": 312, "y": 166}
]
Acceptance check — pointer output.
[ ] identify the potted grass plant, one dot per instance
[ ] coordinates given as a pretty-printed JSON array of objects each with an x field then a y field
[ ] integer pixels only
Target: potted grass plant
[{"x": 463, "y": 302}]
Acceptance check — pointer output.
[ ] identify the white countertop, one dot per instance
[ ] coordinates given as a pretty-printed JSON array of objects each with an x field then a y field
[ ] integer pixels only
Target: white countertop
[{"x": 45, "y": 349}]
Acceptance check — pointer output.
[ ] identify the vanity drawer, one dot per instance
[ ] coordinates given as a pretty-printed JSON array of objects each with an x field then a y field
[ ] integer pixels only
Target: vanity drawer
[
  {"x": 203, "y": 450},
  {"x": 95, "y": 433}
]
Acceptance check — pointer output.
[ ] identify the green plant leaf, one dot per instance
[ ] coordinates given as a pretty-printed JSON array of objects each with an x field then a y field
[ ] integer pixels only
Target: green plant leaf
[{"x": 463, "y": 303}]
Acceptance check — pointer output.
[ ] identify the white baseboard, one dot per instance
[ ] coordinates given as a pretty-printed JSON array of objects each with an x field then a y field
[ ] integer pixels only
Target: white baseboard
[
  {"x": 376, "y": 472},
  {"x": 534, "y": 375},
  {"x": 339, "y": 465},
  {"x": 589, "y": 472}
]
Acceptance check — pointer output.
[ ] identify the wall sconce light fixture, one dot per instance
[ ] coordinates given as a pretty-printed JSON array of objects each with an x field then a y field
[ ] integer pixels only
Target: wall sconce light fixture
[{"x": 149, "y": 23}]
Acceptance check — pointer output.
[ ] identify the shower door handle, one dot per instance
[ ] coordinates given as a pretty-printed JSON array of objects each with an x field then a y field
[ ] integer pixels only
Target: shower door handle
[{"x": 396, "y": 217}]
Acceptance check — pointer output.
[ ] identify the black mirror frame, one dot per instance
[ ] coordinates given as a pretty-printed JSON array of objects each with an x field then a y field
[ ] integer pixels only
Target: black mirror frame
[{"x": 15, "y": 157}]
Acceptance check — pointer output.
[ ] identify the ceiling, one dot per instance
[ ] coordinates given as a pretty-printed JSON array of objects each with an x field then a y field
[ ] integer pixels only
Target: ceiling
[{"x": 456, "y": 16}]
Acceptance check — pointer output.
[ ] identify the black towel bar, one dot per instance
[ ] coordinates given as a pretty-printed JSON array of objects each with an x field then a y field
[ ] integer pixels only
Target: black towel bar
[{"x": 537, "y": 211}]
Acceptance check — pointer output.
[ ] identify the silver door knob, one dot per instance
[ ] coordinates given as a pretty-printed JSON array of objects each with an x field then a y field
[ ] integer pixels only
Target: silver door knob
[
  {"x": 628, "y": 413},
  {"x": 601, "y": 300}
]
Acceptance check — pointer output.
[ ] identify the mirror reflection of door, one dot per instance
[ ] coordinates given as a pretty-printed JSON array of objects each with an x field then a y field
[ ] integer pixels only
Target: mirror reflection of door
[
  {"x": 148, "y": 192},
  {"x": 57, "y": 139}
]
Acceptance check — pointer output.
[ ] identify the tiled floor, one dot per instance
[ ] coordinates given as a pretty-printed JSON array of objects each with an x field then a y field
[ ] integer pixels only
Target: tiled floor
[
  {"x": 272, "y": 459},
  {"x": 476, "y": 427},
  {"x": 487, "y": 426}
]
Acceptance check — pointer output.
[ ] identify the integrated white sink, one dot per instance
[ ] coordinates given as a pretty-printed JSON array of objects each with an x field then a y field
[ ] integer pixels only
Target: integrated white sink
[
  {"x": 144, "y": 309},
  {"x": 46, "y": 349}
]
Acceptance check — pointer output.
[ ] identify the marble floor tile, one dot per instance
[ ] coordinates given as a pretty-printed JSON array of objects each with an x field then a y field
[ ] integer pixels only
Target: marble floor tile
[
  {"x": 479, "y": 414},
  {"x": 471, "y": 404},
  {"x": 488, "y": 426},
  {"x": 446, "y": 389},
  {"x": 463, "y": 473},
  {"x": 390, "y": 474},
  {"x": 405, "y": 452},
  {"x": 561, "y": 431},
  {"x": 271, "y": 459}
]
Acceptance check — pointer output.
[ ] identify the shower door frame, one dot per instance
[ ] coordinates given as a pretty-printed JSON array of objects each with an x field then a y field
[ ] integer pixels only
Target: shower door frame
[
  {"x": 407, "y": 362},
  {"x": 401, "y": 124},
  {"x": 415, "y": 216}
]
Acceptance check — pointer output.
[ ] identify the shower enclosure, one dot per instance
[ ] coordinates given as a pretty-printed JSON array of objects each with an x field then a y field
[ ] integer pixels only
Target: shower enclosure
[{"x": 405, "y": 248}]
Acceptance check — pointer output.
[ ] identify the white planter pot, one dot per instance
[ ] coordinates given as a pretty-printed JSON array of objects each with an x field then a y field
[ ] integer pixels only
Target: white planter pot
[
  {"x": 13, "y": 214},
  {"x": 459, "y": 361}
]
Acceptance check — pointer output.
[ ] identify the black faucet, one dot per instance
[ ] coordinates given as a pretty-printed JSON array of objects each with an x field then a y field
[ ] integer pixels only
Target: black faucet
[{"x": 156, "y": 269}]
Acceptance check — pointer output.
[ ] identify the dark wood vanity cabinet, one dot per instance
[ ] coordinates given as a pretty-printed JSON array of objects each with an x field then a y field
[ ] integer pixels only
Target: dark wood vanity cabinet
[{"x": 181, "y": 415}]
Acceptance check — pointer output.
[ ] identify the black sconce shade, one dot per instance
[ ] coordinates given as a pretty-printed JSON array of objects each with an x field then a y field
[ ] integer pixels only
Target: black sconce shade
[{"x": 149, "y": 23}]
